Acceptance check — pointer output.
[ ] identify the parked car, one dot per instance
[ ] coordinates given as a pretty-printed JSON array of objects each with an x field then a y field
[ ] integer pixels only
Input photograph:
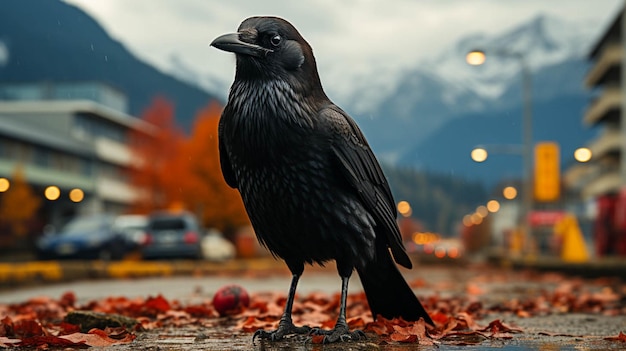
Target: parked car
[
  {"x": 133, "y": 228},
  {"x": 172, "y": 235},
  {"x": 84, "y": 237}
]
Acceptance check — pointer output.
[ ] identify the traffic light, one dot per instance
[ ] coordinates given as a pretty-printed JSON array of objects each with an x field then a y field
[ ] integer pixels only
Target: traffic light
[{"x": 547, "y": 172}]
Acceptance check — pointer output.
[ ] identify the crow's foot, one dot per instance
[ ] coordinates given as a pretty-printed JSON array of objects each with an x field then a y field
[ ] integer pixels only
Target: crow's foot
[
  {"x": 284, "y": 328},
  {"x": 341, "y": 332}
]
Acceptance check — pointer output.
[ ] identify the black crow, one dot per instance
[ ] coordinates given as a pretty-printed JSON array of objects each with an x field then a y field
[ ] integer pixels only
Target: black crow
[{"x": 309, "y": 181}]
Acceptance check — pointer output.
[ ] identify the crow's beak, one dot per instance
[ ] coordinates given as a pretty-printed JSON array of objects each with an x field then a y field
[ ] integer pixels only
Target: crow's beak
[{"x": 232, "y": 43}]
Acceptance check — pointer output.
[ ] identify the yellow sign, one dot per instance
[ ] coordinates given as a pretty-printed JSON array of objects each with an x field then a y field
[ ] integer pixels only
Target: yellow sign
[{"x": 547, "y": 172}]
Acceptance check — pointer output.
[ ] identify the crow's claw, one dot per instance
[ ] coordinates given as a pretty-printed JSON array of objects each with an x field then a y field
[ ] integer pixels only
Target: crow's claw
[
  {"x": 340, "y": 333},
  {"x": 284, "y": 329}
]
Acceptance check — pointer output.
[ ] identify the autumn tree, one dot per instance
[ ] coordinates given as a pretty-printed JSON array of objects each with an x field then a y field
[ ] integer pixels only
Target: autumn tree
[
  {"x": 206, "y": 192},
  {"x": 19, "y": 204},
  {"x": 157, "y": 151},
  {"x": 172, "y": 171}
]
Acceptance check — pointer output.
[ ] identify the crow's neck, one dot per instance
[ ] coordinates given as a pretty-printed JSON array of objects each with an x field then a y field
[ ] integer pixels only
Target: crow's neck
[{"x": 276, "y": 102}]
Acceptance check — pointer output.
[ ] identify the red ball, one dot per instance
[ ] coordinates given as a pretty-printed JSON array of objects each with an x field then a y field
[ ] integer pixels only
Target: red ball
[{"x": 230, "y": 299}]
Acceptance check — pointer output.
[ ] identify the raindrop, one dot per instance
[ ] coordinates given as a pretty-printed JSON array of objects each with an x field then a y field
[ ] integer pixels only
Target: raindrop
[
  {"x": 92, "y": 47},
  {"x": 4, "y": 54},
  {"x": 106, "y": 58}
]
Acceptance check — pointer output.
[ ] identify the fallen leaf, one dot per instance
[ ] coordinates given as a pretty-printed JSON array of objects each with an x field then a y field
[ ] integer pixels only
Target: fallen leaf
[{"x": 621, "y": 337}]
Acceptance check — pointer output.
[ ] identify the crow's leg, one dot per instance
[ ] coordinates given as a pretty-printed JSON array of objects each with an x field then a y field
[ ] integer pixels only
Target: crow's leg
[
  {"x": 285, "y": 326},
  {"x": 341, "y": 331}
]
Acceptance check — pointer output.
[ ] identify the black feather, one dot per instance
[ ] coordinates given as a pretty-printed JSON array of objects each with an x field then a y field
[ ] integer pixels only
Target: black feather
[{"x": 311, "y": 185}]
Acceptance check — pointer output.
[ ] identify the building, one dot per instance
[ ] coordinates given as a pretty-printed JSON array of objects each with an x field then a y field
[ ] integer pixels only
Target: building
[
  {"x": 71, "y": 136},
  {"x": 602, "y": 181}
]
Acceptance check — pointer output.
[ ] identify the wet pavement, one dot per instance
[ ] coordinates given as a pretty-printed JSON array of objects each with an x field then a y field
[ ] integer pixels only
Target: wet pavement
[{"x": 553, "y": 331}]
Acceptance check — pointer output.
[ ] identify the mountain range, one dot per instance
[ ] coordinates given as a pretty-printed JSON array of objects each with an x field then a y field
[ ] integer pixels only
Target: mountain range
[
  {"x": 442, "y": 109},
  {"x": 428, "y": 119},
  {"x": 431, "y": 116}
]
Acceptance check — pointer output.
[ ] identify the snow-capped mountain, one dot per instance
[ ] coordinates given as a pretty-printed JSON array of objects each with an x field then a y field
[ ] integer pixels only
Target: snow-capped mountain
[
  {"x": 446, "y": 87},
  {"x": 542, "y": 42},
  {"x": 405, "y": 113}
]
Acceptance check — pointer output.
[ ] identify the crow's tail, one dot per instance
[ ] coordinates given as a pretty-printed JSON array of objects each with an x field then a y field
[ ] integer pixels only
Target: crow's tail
[{"x": 388, "y": 294}]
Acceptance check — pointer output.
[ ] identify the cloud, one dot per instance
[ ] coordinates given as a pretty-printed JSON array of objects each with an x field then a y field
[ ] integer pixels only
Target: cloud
[{"x": 351, "y": 38}]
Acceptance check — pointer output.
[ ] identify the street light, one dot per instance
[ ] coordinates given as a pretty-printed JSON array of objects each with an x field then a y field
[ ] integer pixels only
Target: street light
[
  {"x": 475, "y": 57},
  {"x": 479, "y": 154},
  {"x": 493, "y": 206},
  {"x": 52, "y": 192},
  {"x": 509, "y": 193},
  {"x": 405, "y": 208},
  {"x": 4, "y": 185},
  {"x": 582, "y": 154},
  {"x": 478, "y": 57}
]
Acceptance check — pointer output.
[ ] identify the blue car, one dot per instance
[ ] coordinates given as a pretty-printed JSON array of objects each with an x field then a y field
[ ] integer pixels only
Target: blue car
[{"x": 85, "y": 237}]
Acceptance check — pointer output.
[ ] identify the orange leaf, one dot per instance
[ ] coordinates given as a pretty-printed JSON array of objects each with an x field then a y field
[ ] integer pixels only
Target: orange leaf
[
  {"x": 621, "y": 337},
  {"x": 96, "y": 337},
  {"x": 405, "y": 338},
  {"x": 317, "y": 339}
]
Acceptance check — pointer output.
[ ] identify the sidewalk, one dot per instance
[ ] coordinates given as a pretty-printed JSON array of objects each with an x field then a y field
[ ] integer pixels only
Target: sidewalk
[
  {"x": 594, "y": 268},
  {"x": 36, "y": 272},
  {"x": 27, "y": 273}
]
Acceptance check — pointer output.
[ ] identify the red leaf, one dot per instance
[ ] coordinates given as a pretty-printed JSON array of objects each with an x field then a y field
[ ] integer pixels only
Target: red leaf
[
  {"x": 621, "y": 337},
  {"x": 439, "y": 318},
  {"x": 252, "y": 323},
  {"x": 96, "y": 337},
  {"x": 317, "y": 339},
  {"x": 158, "y": 303},
  {"x": 405, "y": 338},
  {"x": 38, "y": 341},
  {"x": 201, "y": 311},
  {"x": 67, "y": 328},
  {"x": 356, "y": 322},
  {"x": 498, "y": 327},
  {"x": 68, "y": 299},
  {"x": 28, "y": 328}
]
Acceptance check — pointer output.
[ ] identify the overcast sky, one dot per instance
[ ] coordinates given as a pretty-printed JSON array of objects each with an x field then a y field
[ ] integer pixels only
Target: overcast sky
[{"x": 349, "y": 37}]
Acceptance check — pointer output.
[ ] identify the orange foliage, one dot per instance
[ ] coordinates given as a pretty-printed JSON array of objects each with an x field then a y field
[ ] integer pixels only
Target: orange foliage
[
  {"x": 184, "y": 173},
  {"x": 216, "y": 204},
  {"x": 157, "y": 151}
]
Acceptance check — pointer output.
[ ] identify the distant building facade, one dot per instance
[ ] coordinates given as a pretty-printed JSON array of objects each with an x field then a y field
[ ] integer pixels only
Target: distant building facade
[
  {"x": 70, "y": 136},
  {"x": 602, "y": 181}
]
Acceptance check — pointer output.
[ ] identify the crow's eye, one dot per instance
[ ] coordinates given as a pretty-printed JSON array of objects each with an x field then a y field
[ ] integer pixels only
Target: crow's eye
[{"x": 276, "y": 39}]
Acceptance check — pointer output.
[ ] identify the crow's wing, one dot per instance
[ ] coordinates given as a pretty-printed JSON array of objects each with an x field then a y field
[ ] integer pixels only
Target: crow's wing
[
  {"x": 361, "y": 169},
  {"x": 227, "y": 169}
]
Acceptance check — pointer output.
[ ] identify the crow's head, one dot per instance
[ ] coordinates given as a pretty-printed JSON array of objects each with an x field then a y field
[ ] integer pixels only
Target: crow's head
[{"x": 271, "y": 48}]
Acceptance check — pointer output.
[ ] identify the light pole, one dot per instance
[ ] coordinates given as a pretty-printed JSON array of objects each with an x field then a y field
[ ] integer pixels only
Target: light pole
[{"x": 478, "y": 57}]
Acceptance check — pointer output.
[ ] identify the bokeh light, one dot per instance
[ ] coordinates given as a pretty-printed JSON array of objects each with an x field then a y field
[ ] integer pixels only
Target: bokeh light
[
  {"x": 4, "y": 185},
  {"x": 404, "y": 208},
  {"x": 479, "y": 154},
  {"x": 475, "y": 58},
  {"x": 509, "y": 193},
  {"x": 467, "y": 220},
  {"x": 482, "y": 211},
  {"x": 77, "y": 195},
  {"x": 52, "y": 192},
  {"x": 476, "y": 219},
  {"x": 582, "y": 154},
  {"x": 493, "y": 206}
]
